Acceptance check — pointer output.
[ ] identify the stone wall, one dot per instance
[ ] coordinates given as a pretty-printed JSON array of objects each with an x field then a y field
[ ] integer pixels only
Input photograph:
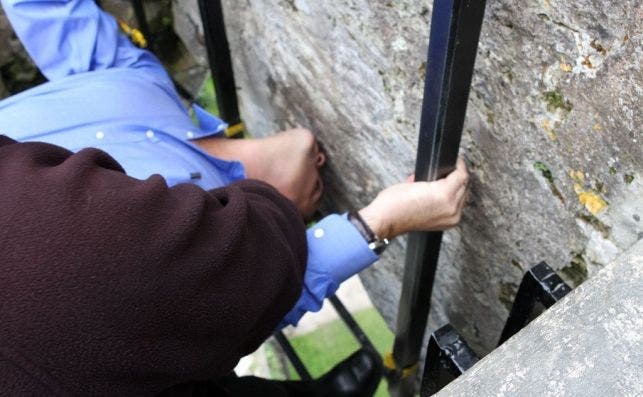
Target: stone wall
[{"x": 552, "y": 136}]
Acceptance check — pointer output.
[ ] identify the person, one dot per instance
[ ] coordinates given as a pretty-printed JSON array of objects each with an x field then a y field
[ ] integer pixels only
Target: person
[{"x": 133, "y": 284}]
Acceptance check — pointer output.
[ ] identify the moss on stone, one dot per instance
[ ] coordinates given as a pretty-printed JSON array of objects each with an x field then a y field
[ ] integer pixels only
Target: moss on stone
[
  {"x": 506, "y": 294},
  {"x": 544, "y": 170},
  {"x": 555, "y": 100},
  {"x": 599, "y": 226},
  {"x": 575, "y": 273}
]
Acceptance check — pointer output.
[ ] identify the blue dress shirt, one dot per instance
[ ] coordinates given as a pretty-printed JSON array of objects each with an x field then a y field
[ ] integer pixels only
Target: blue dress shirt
[{"x": 104, "y": 92}]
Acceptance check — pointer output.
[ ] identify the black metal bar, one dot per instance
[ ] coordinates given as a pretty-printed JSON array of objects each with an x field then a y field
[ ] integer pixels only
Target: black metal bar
[
  {"x": 455, "y": 31},
  {"x": 292, "y": 356},
  {"x": 540, "y": 284},
  {"x": 351, "y": 323},
  {"x": 216, "y": 42},
  {"x": 448, "y": 356},
  {"x": 141, "y": 20},
  {"x": 183, "y": 92}
]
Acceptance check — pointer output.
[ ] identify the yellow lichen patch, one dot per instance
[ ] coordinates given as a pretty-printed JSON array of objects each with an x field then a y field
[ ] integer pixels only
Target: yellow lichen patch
[
  {"x": 590, "y": 198},
  {"x": 597, "y": 127},
  {"x": 578, "y": 176},
  {"x": 564, "y": 66},
  {"x": 592, "y": 201},
  {"x": 550, "y": 131}
]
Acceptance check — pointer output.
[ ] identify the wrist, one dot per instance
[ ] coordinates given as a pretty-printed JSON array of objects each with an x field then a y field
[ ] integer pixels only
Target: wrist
[{"x": 377, "y": 222}]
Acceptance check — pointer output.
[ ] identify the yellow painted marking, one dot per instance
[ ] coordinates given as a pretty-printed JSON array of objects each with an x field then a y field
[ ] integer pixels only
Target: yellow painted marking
[
  {"x": 134, "y": 34},
  {"x": 234, "y": 130},
  {"x": 389, "y": 363}
]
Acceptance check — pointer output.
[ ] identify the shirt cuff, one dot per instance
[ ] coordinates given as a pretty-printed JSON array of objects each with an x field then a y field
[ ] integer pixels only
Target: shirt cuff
[
  {"x": 338, "y": 249},
  {"x": 209, "y": 125}
]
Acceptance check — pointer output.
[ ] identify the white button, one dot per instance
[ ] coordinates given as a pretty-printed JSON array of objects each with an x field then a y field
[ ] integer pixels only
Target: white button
[
  {"x": 149, "y": 134},
  {"x": 190, "y": 134},
  {"x": 319, "y": 233},
  {"x": 100, "y": 135}
]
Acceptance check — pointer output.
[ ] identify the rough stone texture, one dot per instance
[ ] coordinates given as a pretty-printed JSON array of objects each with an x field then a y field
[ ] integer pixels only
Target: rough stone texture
[
  {"x": 553, "y": 134},
  {"x": 588, "y": 344},
  {"x": 16, "y": 69}
]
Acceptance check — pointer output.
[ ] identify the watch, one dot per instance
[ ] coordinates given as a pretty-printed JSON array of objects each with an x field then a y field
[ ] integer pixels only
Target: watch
[{"x": 376, "y": 244}]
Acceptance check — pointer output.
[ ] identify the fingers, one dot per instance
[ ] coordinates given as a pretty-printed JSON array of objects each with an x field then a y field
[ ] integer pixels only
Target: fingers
[
  {"x": 321, "y": 159},
  {"x": 460, "y": 175}
]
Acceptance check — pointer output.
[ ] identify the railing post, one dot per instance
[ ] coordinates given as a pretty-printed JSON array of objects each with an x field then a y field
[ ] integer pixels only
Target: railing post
[
  {"x": 216, "y": 42},
  {"x": 455, "y": 30}
]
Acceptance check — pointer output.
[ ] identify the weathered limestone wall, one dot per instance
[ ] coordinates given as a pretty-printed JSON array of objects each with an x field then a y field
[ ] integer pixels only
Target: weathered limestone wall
[
  {"x": 553, "y": 133},
  {"x": 588, "y": 344}
]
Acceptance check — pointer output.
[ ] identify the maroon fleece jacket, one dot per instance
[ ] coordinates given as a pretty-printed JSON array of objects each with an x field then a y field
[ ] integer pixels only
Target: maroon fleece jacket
[{"x": 115, "y": 286}]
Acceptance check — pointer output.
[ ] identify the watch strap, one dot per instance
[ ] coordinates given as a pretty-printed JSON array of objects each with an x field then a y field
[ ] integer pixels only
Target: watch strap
[{"x": 376, "y": 244}]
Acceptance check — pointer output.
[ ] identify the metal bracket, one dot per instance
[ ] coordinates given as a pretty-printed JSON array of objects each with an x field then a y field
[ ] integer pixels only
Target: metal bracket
[
  {"x": 540, "y": 284},
  {"x": 448, "y": 356}
]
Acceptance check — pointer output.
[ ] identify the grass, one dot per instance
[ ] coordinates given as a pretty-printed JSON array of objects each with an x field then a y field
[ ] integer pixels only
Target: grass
[
  {"x": 323, "y": 348},
  {"x": 207, "y": 98}
]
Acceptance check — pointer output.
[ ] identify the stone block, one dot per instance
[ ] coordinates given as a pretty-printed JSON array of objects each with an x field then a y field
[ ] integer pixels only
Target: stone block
[{"x": 588, "y": 344}]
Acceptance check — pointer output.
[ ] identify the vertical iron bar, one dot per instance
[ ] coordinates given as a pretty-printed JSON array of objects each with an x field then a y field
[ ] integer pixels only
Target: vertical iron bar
[
  {"x": 216, "y": 42},
  {"x": 292, "y": 356},
  {"x": 141, "y": 18},
  {"x": 455, "y": 31},
  {"x": 351, "y": 323}
]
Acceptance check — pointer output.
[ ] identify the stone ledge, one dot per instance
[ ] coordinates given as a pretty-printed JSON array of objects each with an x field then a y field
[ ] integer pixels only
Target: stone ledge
[{"x": 589, "y": 344}]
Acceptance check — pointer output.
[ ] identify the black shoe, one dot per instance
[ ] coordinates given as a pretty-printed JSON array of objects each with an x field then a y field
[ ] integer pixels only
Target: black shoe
[{"x": 357, "y": 376}]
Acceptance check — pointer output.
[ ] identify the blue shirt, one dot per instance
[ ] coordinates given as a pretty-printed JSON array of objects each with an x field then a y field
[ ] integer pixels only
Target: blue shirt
[{"x": 104, "y": 92}]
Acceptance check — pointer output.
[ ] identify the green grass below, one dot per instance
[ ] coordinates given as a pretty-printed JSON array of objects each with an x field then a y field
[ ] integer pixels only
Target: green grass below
[
  {"x": 207, "y": 97},
  {"x": 323, "y": 348}
]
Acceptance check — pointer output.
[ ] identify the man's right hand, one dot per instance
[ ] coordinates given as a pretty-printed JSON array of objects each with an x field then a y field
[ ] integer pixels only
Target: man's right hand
[{"x": 418, "y": 206}]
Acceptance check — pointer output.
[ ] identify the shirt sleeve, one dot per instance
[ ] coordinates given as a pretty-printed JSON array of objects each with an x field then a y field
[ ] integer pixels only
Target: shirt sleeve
[
  {"x": 66, "y": 37},
  {"x": 336, "y": 251}
]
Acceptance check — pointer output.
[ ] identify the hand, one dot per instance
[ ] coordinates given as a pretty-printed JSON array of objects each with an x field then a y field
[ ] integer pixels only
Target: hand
[
  {"x": 418, "y": 206},
  {"x": 289, "y": 161}
]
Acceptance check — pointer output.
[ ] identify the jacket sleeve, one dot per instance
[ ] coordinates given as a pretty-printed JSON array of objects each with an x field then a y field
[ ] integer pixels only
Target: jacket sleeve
[{"x": 112, "y": 285}]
